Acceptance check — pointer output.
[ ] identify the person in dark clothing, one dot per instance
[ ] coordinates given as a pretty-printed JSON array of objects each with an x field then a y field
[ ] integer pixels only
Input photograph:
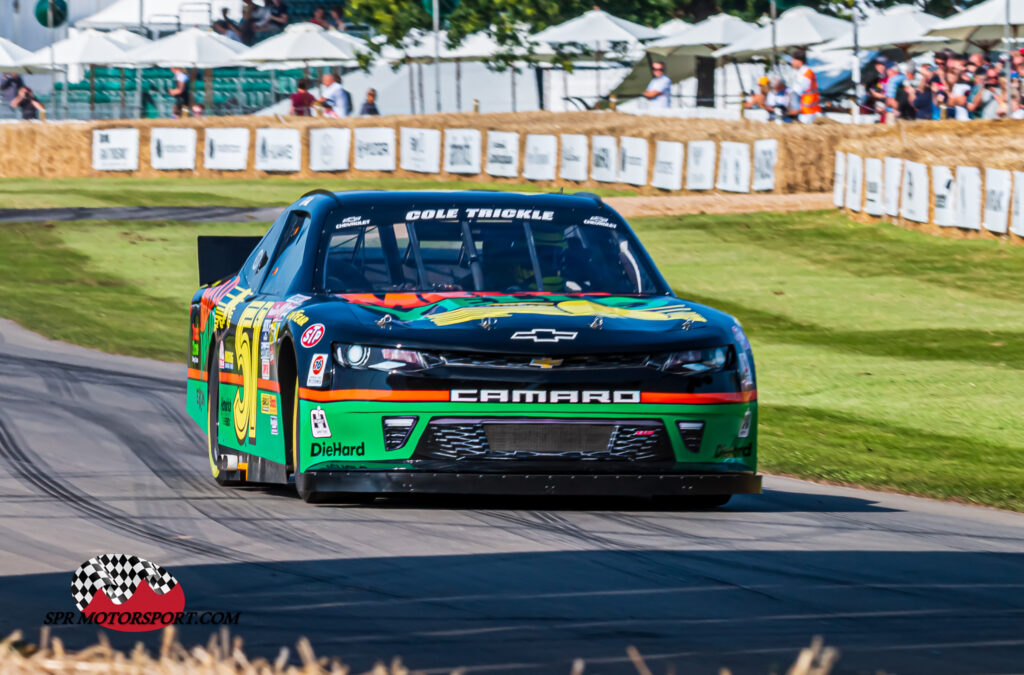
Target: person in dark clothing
[
  {"x": 370, "y": 104},
  {"x": 181, "y": 92},
  {"x": 302, "y": 100},
  {"x": 27, "y": 103},
  {"x": 10, "y": 86}
]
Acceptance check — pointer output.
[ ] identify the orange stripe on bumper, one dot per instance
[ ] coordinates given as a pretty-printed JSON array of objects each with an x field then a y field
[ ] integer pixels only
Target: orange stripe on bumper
[
  {"x": 698, "y": 399},
  {"x": 374, "y": 395},
  {"x": 196, "y": 374}
]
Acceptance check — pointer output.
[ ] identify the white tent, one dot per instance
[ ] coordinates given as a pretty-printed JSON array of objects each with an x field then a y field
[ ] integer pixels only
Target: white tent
[
  {"x": 84, "y": 48},
  {"x": 596, "y": 30},
  {"x": 901, "y": 26},
  {"x": 127, "y": 39},
  {"x": 704, "y": 37},
  {"x": 191, "y": 48},
  {"x": 161, "y": 14},
  {"x": 672, "y": 26},
  {"x": 11, "y": 55},
  {"x": 797, "y": 27},
  {"x": 982, "y": 24},
  {"x": 300, "y": 43}
]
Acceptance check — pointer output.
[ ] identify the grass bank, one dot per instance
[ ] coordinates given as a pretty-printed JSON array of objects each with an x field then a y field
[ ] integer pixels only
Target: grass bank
[{"x": 886, "y": 358}]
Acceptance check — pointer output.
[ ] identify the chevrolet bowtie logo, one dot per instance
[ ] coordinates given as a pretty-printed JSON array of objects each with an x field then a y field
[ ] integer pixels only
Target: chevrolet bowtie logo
[
  {"x": 544, "y": 335},
  {"x": 546, "y": 362}
]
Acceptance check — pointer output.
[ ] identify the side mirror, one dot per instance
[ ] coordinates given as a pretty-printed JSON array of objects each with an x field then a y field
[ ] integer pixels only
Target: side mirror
[{"x": 260, "y": 262}]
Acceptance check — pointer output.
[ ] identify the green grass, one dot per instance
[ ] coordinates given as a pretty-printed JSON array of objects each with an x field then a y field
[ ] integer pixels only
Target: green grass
[
  {"x": 886, "y": 358},
  {"x": 37, "y": 193}
]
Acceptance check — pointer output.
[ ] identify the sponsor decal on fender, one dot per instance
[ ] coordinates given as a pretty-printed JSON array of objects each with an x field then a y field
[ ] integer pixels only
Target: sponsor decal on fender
[
  {"x": 318, "y": 421},
  {"x": 336, "y": 449},
  {"x": 311, "y": 336},
  {"x": 317, "y": 366},
  {"x": 268, "y": 404}
]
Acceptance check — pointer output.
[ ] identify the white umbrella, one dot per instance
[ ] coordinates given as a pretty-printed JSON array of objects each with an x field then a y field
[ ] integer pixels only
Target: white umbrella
[
  {"x": 984, "y": 23},
  {"x": 12, "y": 56},
  {"x": 704, "y": 37},
  {"x": 191, "y": 48},
  {"x": 301, "y": 42},
  {"x": 899, "y": 27},
  {"x": 672, "y": 26},
  {"x": 127, "y": 40},
  {"x": 596, "y": 29},
  {"x": 797, "y": 27},
  {"x": 85, "y": 48}
]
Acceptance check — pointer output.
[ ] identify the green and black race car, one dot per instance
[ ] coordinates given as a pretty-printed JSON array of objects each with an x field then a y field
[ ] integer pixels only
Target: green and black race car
[{"x": 375, "y": 343}]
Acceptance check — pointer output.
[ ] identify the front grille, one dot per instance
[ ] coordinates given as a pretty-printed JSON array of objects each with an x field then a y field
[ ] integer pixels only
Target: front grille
[
  {"x": 527, "y": 362},
  {"x": 540, "y": 439}
]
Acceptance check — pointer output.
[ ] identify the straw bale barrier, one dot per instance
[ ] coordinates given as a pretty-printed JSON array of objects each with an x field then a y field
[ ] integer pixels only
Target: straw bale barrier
[
  {"x": 980, "y": 144},
  {"x": 805, "y": 152}
]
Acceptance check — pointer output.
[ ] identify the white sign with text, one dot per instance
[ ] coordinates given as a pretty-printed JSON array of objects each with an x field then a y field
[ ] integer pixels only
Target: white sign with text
[
  {"x": 604, "y": 160},
  {"x": 375, "y": 149},
  {"x": 421, "y": 150},
  {"x": 541, "y": 159},
  {"x": 968, "y": 197},
  {"x": 893, "y": 181},
  {"x": 873, "y": 200},
  {"x": 226, "y": 149},
  {"x": 462, "y": 150},
  {"x": 734, "y": 167},
  {"x": 329, "y": 149},
  {"x": 914, "y": 197},
  {"x": 503, "y": 153},
  {"x": 574, "y": 165},
  {"x": 278, "y": 150},
  {"x": 766, "y": 156},
  {"x": 668, "y": 165},
  {"x": 633, "y": 159},
  {"x": 172, "y": 149},
  {"x": 944, "y": 190},
  {"x": 854, "y": 181},
  {"x": 700, "y": 165},
  {"x": 115, "y": 149},
  {"x": 998, "y": 186}
]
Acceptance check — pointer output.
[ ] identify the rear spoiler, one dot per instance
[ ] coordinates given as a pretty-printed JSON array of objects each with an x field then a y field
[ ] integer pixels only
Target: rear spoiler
[{"x": 223, "y": 257}]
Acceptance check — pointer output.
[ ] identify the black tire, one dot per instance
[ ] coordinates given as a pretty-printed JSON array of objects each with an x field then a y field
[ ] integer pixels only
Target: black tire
[{"x": 213, "y": 424}]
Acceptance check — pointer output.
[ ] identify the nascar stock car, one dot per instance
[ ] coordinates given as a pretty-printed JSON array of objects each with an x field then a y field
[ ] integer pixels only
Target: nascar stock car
[{"x": 375, "y": 343}]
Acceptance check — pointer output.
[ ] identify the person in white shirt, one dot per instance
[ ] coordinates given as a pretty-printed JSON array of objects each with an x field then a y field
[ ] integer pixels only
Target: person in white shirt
[
  {"x": 334, "y": 97},
  {"x": 657, "y": 91}
]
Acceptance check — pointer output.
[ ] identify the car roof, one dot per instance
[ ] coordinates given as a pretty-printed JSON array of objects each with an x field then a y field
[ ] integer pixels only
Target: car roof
[{"x": 483, "y": 198}]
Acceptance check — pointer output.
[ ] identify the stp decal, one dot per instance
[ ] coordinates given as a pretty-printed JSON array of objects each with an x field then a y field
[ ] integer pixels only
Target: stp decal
[
  {"x": 126, "y": 593},
  {"x": 311, "y": 336}
]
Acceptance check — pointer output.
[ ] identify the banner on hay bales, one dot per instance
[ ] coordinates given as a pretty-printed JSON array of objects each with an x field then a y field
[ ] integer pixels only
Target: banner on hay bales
[
  {"x": 873, "y": 201},
  {"x": 421, "y": 150},
  {"x": 172, "y": 149},
  {"x": 914, "y": 192},
  {"x": 574, "y": 164},
  {"x": 1017, "y": 219},
  {"x": 541, "y": 160},
  {"x": 968, "y": 197},
  {"x": 766, "y": 156},
  {"x": 329, "y": 149},
  {"x": 700, "y": 165},
  {"x": 604, "y": 159},
  {"x": 633, "y": 160},
  {"x": 462, "y": 150},
  {"x": 734, "y": 167},
  {"x": 375, "y": 149},
  {"x": 854, "y": 181},
  {"x": 893, "y": 179},
  {"x": 226, "y": 149},
  {"x": 503, "y": 153},
  {"x": 668, "y": 165},
  {"x": 839, "y": 179},
  {"x": 998, "y": 186},
  {"x": 115, "y": 149},
  {"x": 278, "y": 150},
  {"x": 945, "y": 196}
]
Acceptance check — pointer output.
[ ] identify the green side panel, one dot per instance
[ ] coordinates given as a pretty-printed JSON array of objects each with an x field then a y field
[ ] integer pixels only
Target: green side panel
[
  {"x": 195, "y": 402},
  {"x": 357, "y": 427},
  {"x": 269, "y": 442}
]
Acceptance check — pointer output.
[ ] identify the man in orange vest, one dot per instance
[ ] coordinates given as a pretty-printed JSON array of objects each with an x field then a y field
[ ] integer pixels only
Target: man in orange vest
[{"x": 806, "y": 88}]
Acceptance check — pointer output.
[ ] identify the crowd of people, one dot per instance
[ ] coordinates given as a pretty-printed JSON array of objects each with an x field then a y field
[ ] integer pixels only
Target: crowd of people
[
  {"x": 270, "y": 18},
  {"x": 335, "y": 101}
]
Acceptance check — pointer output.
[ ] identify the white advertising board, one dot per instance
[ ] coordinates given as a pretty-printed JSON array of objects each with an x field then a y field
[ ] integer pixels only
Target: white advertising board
[
  {"x": 329, "y": 149},
  {"x": 541, "y": 159},
  {"x": 633, "y": 160},
  {"x": 891, "y": 189},
  {"x": 734, "y": 167},
  {"x": 278, "y": 150},
  {"x": 604, "y": 160},
  {"x": 914, "y": 197},
  {"x": 226, "y": 149},
  {"x": 854, "y": 181},
  {"x": 462, "y": 150},
  {"x": 668, "y": 165},
  {"x": 172, "y": 149},
  {"x": 115, "y": 149},
  {"x": 968, "y": 197},
  {"x": 944, "y": 189},
  {"x": 573, "y": 164},
  {"x": 839, "y": 180},
  {"x": 375, "y": 149},
  {"x": 766, "y": 156},
  {"x": 873, "y": 200},
  {"x": 503, "y": 153},
  {"x": 421, "y": 150},
  {"x": 700, "y": 165},
  {"x": 1017, "y": 220},
  {"x": 998, "y": 186}
]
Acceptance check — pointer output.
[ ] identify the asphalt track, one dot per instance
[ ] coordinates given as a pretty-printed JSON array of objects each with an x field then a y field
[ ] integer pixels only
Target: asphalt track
[{"x": 97, "y": 456}]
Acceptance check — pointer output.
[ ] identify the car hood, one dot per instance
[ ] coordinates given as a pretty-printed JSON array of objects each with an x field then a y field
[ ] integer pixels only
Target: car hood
[{"x": 533, "y": 323}]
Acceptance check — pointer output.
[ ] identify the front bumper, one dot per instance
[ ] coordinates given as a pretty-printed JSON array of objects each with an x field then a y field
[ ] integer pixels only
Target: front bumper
[{"x": 520, "y": 481}]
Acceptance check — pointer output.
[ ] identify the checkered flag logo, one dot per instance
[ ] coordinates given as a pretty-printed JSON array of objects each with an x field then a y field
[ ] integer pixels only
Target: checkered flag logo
[{"x": 119, "y": 576}]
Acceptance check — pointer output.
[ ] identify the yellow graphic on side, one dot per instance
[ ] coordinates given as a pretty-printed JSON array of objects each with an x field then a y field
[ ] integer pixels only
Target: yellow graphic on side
[
  {"x": 585, "y": 308},
  {"x": 247, "y": 356}
]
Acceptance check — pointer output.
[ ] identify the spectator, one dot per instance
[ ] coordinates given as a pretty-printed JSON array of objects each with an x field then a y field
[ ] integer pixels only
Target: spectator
[
  {"x": 337, "y": 102},
  {"x": 923, "y": 100},
  {"x": 302, "y": 100},
  {"x": 227, "y": 29},
  {"x": 756, "y": 99},
  {"x": 198, "y": 110},
  {"x": 27, "y": 103},
  {"x": 981, "y": 102},
  {"x": 370, "y": 104},
  {"x": 251, "y": 15},
  {"x": 181, "y": 92},
  {"x": 806, "y": 87},
  {"x": 893, "y": 84},
  {"x": 336, "y": 18},
  {"x": 275, "y": 18},
  {"x": 779, "y": 102},
  {"x": 959, "y": 82},
  {"x": 874, "y": 97},
  {"x": 10, "y": 86},
  {"x": 659, "y": 87},
  {"x": 320, "y": 18}
]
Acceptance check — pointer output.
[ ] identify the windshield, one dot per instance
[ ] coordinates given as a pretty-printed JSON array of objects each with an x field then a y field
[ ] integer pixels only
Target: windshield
[{"x": 484, "y": 250}]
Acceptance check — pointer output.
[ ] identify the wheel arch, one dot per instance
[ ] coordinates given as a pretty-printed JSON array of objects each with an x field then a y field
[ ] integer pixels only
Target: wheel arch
[{"x": 287, "y": 378}]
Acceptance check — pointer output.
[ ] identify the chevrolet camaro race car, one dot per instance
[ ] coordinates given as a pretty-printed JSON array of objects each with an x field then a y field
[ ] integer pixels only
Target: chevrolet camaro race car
[{"x": 376, "y": 343}]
